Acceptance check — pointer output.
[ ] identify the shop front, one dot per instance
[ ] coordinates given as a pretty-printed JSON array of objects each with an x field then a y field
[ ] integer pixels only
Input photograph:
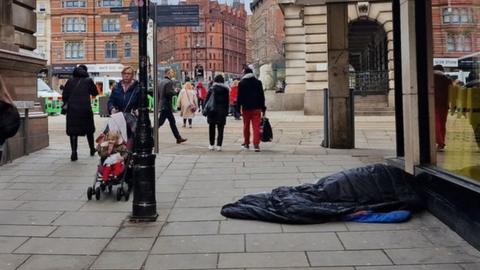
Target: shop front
[{"x": 438, "y": 114}]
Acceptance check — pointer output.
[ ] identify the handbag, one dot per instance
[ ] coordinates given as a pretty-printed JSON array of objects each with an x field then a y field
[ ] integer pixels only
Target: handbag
[
  {"x": 191, "y": 106},
  {"x": 209, "y": 107},
  {"x": 266, "y": 133},
  {"x": 65, "y": 103}
]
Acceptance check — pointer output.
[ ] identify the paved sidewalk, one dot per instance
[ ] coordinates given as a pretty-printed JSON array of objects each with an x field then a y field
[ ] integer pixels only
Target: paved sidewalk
[{"x": 46, "y": 221}]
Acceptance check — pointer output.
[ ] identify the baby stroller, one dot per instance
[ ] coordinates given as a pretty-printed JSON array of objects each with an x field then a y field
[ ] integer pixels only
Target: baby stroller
[{"x": 114, "y": 146}]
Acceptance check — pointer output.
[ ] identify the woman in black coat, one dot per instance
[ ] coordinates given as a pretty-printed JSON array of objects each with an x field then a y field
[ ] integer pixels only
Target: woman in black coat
[
  {"x": 77, "y": 94},
  {"x": 218, "y": 118}
]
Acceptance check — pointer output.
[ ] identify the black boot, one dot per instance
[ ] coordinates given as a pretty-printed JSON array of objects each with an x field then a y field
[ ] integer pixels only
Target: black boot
[
  {"x": 74, "y": 145},
  {"x": 91, "y": 145}
]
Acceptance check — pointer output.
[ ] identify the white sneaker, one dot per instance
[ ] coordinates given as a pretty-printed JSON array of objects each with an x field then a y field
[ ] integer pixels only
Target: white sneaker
[
  {"x": 219, "y": 148},
  {"x": 211, "y": 147}
]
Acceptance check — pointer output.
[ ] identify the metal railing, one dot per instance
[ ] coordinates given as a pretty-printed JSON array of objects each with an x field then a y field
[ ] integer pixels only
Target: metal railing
[{"x": 371, "y": 82}]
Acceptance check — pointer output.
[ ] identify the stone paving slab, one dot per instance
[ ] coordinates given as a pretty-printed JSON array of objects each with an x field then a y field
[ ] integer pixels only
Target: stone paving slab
[
  {"x": 63, "y": 246},
  {"x": 9, "y": 244},
  {"x": 25, "y": 230},
  {"x": 57, "y": 262},
  {"x": 383, "y": 240},
  {"x": 348, "y": 258},
  {"x": 91, "y": 219},
  {"x": 181, "y": 261},
  {"x": 199, "y": 244},
  {"x": 84, "y": 232},
  {"x": 265, "y": 259},
  {"x": 130, "y": 244},
  {"x": 414, "y": 267},
  {"x": 28, "y": 217},
  {"x": 292, "y": 242},
  {"x": 119, "y": 261},
  {"x": 191, "y": 228},
  {"x": 431, "y": 255},
  {"x": 233, "y": 226},
  {"x": 11, "y": 262}
]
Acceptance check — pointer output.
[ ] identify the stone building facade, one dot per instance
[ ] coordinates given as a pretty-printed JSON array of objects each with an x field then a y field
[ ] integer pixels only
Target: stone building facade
[
  {"x": 306, "y": 48},
  {"x": 87, "y": 32},
  {"x": 43, "y": 33},
  {"x": 19, "y": 67},
  {"x": 217, "y": 45}
]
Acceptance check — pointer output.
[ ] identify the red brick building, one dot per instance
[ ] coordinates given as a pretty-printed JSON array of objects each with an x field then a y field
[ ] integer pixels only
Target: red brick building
[
  {"x": 456, "y": 31},
  {"x": 86, "y": 32},
  {"x": 217, "y": 45}
]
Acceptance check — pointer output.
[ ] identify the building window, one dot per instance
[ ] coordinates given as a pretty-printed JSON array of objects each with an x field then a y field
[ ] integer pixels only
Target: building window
[
  {"x": 74, "y": 24},
  {"x": 74, "y": 3},
  {"x": 457, "y": 15},
  {"x": 111, "y": 24},
  {"x": 211, "y": 41},
  {"x": 128, "y": 50},
  {"x": 461, "y": 42},
  {"x": 111, "y": 50},
  {"x": 74, "y": 50},
  {"x": 111, "y": 3},
  {"x": 40, "y": 28}
]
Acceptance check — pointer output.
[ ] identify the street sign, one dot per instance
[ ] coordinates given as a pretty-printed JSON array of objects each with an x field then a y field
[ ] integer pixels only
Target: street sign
[
  {"x": 124, "y": 9},
  {"x": 177, "y": 15}
]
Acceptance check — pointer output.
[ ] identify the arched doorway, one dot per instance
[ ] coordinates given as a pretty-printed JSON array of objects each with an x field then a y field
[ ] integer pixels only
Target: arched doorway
[{"x": 367, "y": 41}]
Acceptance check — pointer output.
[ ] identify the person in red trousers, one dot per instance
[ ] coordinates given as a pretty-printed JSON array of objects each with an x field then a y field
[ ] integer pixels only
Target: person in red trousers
[
  {"x": 441, "y": 83},
  {"x": 251, "y": 102}
]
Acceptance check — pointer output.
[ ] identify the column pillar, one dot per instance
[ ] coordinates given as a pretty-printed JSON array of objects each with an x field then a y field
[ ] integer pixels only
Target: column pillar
[{"x": 340, "y": 116}]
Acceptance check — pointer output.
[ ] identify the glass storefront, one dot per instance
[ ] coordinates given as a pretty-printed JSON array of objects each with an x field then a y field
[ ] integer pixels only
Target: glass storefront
[{"x": 457, "y": 86}]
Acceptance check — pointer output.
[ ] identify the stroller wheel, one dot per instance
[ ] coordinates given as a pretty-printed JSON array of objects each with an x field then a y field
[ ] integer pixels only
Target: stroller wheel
[
  {"x": 97, "y": 193},
  {"x": 89, "y": 193},
  {"x": 119, "y": 193}
]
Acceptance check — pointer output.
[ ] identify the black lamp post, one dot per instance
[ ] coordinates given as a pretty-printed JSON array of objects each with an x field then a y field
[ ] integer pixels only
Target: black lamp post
[{"x": 144, "y": 204}]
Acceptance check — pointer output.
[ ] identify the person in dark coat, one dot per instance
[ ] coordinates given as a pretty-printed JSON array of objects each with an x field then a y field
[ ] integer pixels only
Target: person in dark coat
[
  {"x": 441, "y": 83},
  {"x": 218, "y": 118},
  {"x": 9, "y": 116},
  {"x": 251, "y": 102},
  {"x": 125, "y": 94},
  {"x": 166, "y": 91},
  {"x": 77, "y": 93}
]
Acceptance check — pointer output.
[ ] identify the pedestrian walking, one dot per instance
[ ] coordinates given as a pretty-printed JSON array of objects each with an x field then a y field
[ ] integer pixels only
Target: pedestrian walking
[
  {"x": 125, "y": 93},
  {"x": 166, "y": 91},
  {"x": 218, "y": 117},
  {"x": 201, "y": 95},
  {"x": 251, "y": 103},
  {"x": 187, "y": 104},
  {"x": 233, "y": 99},
  {"x": 9, "y": 116},
  {"x": 441, "y": 84},
  {"x": 78, "y": 109}
]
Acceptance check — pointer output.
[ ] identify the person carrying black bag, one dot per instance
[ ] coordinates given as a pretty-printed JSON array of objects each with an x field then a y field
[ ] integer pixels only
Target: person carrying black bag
[
  {"x": 76, "y": 95},
  {"x": 216, "y": 110}
]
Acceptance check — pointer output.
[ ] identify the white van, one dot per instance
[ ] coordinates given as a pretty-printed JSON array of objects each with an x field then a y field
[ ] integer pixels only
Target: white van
[{"x": 44, "y": 91}]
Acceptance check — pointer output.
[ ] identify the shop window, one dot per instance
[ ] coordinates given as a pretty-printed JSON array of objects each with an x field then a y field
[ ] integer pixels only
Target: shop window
[
  {"x": 111, "y": 3},
  {"x": 111, "y": 50},
  {"x": 74, "y": 50},
  {"x": 459, "y": 42},
  {"x": 74, "y": 3},
  {"x": 41, "y": 7},
  {"x": 111, "y": 24},
  {"x": 73, "y": 24},
  {"x": 128, "y": 50},
  {"x": 457, "y": 98}
]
